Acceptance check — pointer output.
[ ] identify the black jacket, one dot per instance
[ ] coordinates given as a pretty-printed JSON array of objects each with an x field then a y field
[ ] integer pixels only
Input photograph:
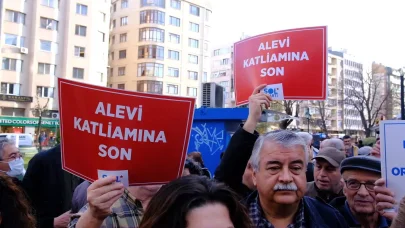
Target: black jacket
[
  {"x": 233, "y": 163},
  {"x": 48, "y": 187},
  {"x": 340, "y": 204}
]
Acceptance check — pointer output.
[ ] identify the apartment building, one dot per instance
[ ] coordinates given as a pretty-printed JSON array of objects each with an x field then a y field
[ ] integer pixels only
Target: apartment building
[
  {"x": 222, "y": 72},
  {"x": 42, "y": 40},
  {"x": 389, "y": 83},
  {"x": 160, "y": 46}
]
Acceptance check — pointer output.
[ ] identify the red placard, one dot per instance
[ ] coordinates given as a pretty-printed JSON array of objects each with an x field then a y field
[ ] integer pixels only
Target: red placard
[
  {"x": 297, "y": 58},
  {"x": 104, "y": 130}
]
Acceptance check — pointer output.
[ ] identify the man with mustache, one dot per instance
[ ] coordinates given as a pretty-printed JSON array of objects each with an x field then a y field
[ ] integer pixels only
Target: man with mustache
[
  {"x": 279, "y": 161},
  {"x": 365, "y": 195}
]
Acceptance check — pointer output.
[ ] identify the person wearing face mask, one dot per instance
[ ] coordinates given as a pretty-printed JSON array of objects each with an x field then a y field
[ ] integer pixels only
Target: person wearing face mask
[{"x": 11, "y": 161}]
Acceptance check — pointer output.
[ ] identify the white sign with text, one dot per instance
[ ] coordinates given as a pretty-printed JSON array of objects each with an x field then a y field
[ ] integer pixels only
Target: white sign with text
[
  {"x": 392, "y": 143},
  {"x": 275, "y": 91}
]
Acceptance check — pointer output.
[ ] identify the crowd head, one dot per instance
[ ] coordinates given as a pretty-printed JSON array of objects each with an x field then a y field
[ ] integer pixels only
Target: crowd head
[
  {"x": 279, "y": 161},
  {"x": 190, "y": 200}
]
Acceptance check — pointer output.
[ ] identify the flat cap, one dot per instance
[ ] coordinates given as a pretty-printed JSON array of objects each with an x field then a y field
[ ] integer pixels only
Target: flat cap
[
  {"x": 331, "y": 155},
  {"x": 366, "y": 163}
]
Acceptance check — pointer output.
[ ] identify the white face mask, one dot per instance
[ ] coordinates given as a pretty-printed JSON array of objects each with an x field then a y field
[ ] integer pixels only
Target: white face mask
[{"x": 16, "y": 167}]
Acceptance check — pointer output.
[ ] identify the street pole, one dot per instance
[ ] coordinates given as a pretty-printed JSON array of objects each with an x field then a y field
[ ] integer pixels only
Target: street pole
[
  {"x": 308, "y": 125},
  {"x": 402, "y": 97}
]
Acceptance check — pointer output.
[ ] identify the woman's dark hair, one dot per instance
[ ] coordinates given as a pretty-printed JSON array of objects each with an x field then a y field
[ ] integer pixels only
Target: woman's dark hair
[
  {"x": 197, "y": 157},
  {"x": 193, "y": 168},
  {"x": 169, "y": 207},
  {"x": 14, "y": 207}
]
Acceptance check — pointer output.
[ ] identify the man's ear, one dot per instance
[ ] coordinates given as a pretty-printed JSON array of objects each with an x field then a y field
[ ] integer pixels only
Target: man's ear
[{"x": 254, "y": 176}]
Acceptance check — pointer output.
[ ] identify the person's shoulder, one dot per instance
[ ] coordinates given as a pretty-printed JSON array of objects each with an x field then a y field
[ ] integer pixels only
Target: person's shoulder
[
  {"x": 338, "y": 202},
  {"x": 318, "y": 204},
  {"x": 47, "y": 154}
]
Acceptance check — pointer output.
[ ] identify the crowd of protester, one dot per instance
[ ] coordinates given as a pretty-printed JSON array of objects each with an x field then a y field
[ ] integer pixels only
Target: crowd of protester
[{"x": 274, "y": 180}]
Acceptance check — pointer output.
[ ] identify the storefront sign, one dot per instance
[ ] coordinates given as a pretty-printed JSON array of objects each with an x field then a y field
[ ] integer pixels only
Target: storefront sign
[
  {"x": 27, "y": 122},
  {"x": 14, "y": 98}
]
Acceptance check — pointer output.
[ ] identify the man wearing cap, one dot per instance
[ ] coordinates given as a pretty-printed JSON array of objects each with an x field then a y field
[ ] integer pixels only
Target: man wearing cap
[
  {"x": 327, "y": 185},
  {"x": 363, "y": 191}
]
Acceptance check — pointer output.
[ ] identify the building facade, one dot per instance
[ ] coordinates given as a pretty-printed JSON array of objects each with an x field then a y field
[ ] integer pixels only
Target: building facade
[
  {"x": 42, "y": 40},
  {"x": 222, "y": 72},
  {"x": 160, "y": 46}
]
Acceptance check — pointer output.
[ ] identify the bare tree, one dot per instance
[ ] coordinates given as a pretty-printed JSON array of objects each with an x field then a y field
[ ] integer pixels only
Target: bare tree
[
  {"x": 322, "y": 110},
  {"x": 39, "y": 110},
  {"x": 287, "y": 107},
  {"x": 368, "y": 97}
]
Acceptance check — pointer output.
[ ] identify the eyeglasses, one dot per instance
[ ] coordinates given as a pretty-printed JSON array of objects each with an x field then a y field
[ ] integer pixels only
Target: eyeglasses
[{"x": 355, "y": 185}]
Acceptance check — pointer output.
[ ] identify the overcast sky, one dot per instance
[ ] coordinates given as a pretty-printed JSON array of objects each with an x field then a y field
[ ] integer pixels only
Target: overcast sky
[{"x": 370, "y": 30}]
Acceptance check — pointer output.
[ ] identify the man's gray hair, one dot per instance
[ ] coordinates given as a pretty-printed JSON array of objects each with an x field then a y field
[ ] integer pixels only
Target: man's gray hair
[
  {"x": 335, "y": 143},
  {"x": 4, "y": 142},
  {"x": 283, "y": 138},
  {"x": 306, "y": 137}
]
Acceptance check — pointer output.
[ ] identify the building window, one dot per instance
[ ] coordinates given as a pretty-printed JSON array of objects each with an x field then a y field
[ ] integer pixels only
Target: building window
[
  {"x": 123, "y": 38},
  {"x": 194, "y": 10},
  {"x": 44, "y": 91},
  {"x": 151, "y": 52},
  {"x": 47, "y": 23},
  {"x": 50, "y": 3},
  {"x": 114, "y": 23},
  {"x": 224, "y": 83},
  {"x": 46, "y": 68},
  {"x": 113, "y": 40},
  {"x": 205, "y": 77},
  {"x": 102, "y": 36},
  {"x": 121, "y": 86},
  {"x": 193, "y": 75},
  {"x": 78, "y": 73},
  {"x": 12, "y": 64},
  {"x": 114, "y": 7},
  {"x": 152, "y": 17},
  {"x": 16, "y": 17},
  {"x": 172, "y": 89},
  {"x": 192, "y": 92},
  {"x": 150, "y": 86},
  {"x": 121, "y": 71},
  {"x": 46, "y": 45},
  {"x": 194, "y": 27},
  {"x": 156, "y": 3},
  {"x": 14, "y": 40},
  {"x": 101, "y": 76},
  {"x": 10, "y": 88},
  {"x": 110, "y": 85},
  {"x": 173, "y": 72},
  {"x": 175, "y": 4},
  {"x": 207, "y": 15},
  {"x": 152, "y": 34},
  {"x": 150, "y": 70},
  {"x": 122, "y": 54},
  {"x": 81, "y": 9},
  {"x": 193, "y": 59},
  {"x": 224, "y": 61},
  {"x": 193, "y": 43},
  {"x": 175, "y": 21},
  {"x": 124, "y": 21},
  {"x": 79, "y": 51},
  {"x": 124, "y": 4},
  {"x": 80, "y": 30},
  {"x": 174, "y": 38},
  {"x": 175, "y": 55},
  {"x": 111, "y": 71}
]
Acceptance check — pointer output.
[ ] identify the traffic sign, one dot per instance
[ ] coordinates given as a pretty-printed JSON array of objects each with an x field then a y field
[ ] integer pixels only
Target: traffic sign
[
  {"x": 296, "y": 59},
  {"x": 139, "y": 138}
]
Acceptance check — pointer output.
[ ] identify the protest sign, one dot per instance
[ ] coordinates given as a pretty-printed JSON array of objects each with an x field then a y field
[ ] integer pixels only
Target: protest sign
[
  {"x": 295, "y": 60},
  {"x": 392, "y": 149},
  {"x": 139, "y": 138}
]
